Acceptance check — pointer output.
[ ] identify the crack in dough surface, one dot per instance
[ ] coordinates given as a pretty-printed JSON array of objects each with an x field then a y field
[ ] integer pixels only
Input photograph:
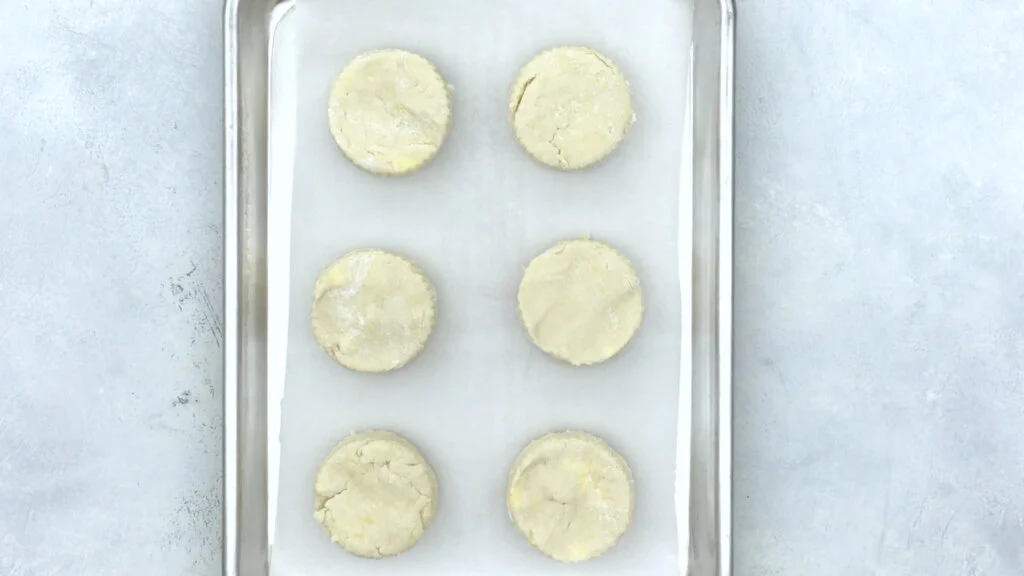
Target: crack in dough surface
[
  {"x": 570, "y": 107},
  {"x": 373, "y": 311},
  {"x": 571, "y": 495},
  {"x": 389, "y": 111},
  {"x": 580, "y": 301},
  {"x": 375, "y": 494}
]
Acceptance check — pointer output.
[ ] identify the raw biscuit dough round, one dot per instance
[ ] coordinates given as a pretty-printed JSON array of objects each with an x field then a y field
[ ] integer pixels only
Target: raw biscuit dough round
[
  {"x": 389, "y": 111},
  {"x": 570, "y": 107},
  {"x": 580, "y": 301},
  {"x": 571, "y": 495},
  {"x": 375, "y": 494},
  {"x": 373, "y": 311}
]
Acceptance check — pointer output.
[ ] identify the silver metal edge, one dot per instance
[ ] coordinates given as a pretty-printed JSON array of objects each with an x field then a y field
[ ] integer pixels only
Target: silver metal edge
[
  {"x": 245, "y": 225},
  {"x": 230, "y": 449},
  {"x": 713, "y": 46},
  {"x": 725, "y": 271}
]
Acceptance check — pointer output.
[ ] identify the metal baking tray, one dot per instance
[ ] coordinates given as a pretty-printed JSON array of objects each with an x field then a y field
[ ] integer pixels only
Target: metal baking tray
[{"x": 251, "y": 421}]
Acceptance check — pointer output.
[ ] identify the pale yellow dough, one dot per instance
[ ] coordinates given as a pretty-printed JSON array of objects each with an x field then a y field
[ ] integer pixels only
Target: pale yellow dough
[
  {"x": 570, "y": 107},
  {"x": 375, "y": 494},
  {"x": 389, "y": 111},
  {"x": 373, "y": 311},
  {"x": 580, "y": 301},
  {"x": 571, "y": 495}
]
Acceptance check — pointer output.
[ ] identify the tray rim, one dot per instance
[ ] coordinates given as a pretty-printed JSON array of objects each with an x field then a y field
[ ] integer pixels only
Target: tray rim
[{"x": 249, "y": 26}]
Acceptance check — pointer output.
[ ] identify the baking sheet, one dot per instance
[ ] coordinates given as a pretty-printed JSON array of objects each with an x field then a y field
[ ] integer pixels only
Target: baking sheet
[{"x": 472, "y": 219}]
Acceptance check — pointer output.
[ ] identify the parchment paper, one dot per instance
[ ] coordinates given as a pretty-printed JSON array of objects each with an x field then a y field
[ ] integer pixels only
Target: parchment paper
[{"x": 472, "y": 220}]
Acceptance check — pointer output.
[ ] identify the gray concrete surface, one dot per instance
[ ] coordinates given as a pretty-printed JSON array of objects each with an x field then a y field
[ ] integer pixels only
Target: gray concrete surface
[{"x": 879, "y": 288}]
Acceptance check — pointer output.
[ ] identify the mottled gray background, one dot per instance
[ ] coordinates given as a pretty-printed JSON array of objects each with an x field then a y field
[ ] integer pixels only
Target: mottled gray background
[{"x": 879, "y": 314}]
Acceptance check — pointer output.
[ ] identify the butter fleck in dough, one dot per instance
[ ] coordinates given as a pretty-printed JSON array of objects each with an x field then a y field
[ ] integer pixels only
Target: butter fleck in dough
[
  {"x": 570, "y": 107},
  {"x": 571, "y": 495},
  {"x": 375, "y": 494},
  {"x": 580, "y": 301},
  {"x": 373, "y": 311},
  {"x": 389, "y": 111}
]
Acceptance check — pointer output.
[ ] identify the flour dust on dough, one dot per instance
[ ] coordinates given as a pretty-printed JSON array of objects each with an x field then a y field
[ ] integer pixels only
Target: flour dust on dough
[
  {"x": 373, "y": 311},
  {"x": 375, "y": 494},
  {"x": 580, "y": 301},
  {"x": 571, "y": 495},
  {"x": 570, "y": 107},
  {"x": 389, "y": 111}
]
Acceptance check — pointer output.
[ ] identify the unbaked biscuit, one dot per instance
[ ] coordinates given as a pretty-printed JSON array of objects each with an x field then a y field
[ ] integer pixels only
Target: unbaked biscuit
[
  {"x": 389, "y": 111},
  {"x": 570, "y": 107},
  {"x": 373, "y": 311},
  {"x": 375, "y": 494},
  {"x": 571, "y": 495},
  {"x": 580, "y": 301}
]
